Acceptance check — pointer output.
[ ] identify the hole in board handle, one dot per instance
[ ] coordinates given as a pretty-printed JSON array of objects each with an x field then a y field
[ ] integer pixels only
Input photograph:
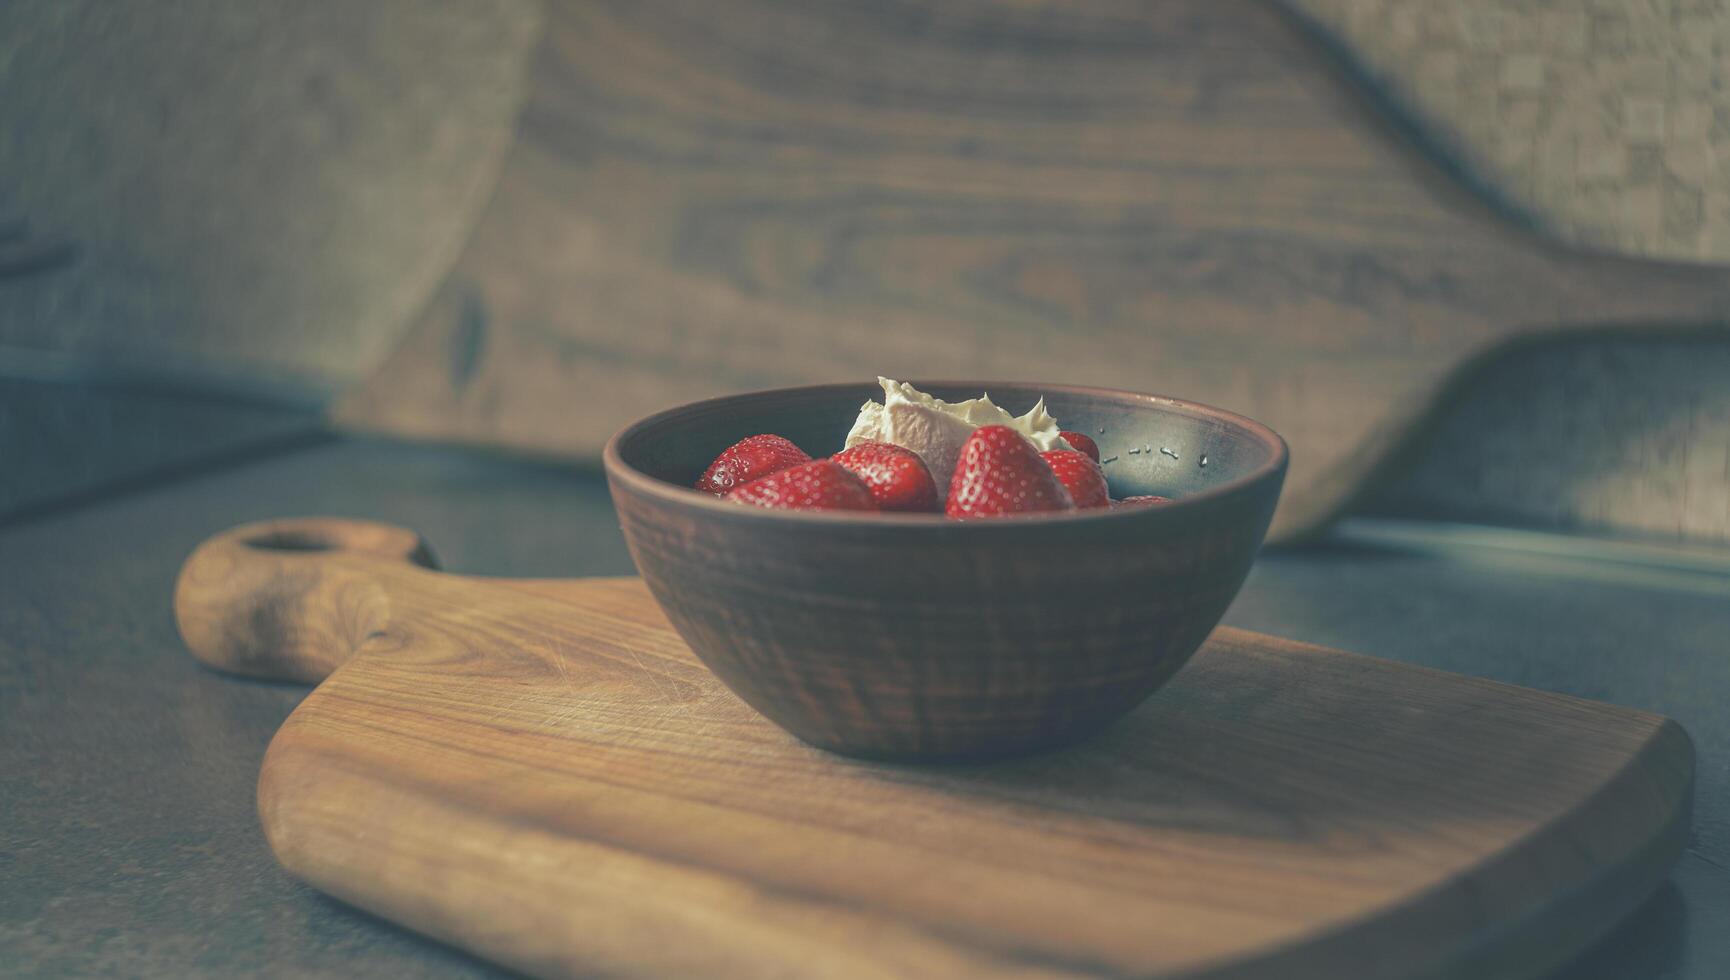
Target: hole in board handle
[{"x": 290, "y": 541}]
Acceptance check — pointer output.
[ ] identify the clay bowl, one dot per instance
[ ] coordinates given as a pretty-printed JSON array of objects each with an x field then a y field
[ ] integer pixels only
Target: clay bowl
[{"x": 917, "y": 637}]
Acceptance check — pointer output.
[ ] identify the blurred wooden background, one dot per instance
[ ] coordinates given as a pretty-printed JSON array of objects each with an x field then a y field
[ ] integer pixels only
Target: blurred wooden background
[
  {"x": 1185, "y": 197},
  {"x": 1221, "y": 200},
  {"x": 253, "y": 190}
]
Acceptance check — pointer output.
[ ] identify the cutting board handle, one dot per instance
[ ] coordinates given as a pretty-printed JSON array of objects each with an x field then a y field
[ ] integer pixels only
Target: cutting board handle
[{"x": 291, "y": 599}]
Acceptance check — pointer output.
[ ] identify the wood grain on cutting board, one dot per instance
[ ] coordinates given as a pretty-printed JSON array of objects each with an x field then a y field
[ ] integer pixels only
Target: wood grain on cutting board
[
  {"x": 1178, "y": 197},
  {"x": 542, "y": 773}
]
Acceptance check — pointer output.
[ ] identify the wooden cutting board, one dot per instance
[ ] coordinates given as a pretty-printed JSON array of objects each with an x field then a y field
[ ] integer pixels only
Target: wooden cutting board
[{"x": 542, "y": 773}]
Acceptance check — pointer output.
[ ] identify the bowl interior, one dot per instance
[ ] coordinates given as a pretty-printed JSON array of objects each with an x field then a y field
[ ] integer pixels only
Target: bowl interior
[{"x": 1153, "y": 445}]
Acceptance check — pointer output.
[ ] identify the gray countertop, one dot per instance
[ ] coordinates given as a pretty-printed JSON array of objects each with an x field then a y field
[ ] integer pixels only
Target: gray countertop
[{"x": 128, "y": 840}]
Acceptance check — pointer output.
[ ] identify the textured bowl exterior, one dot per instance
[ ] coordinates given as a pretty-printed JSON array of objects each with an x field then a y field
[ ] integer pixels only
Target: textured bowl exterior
[{"x": 913, "y": 637}]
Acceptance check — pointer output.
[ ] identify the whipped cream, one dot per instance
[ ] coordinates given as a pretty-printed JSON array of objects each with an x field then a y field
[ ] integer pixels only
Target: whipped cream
[{"x": 935, "y": 429}]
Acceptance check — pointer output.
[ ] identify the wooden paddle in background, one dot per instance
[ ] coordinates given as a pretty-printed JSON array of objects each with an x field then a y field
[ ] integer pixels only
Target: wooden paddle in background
[{"x": 1181, "y": 197}]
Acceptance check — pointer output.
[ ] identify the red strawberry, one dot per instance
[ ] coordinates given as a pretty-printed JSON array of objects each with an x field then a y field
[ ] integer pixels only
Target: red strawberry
[
  {"x": 747, "y": 460},
  {"x": 1082, "y": 444},
  {"x": 817, "y": 485},
  {"x": 1144, "y": 500},
  {"x": 896, "y": 477},
  {"x": 1000, "y": 473},
  {"x": 1081, "y": 476}
]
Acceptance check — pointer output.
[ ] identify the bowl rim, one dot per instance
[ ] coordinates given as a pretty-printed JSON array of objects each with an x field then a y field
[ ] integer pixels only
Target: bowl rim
[{"x": 641, "y": 482}]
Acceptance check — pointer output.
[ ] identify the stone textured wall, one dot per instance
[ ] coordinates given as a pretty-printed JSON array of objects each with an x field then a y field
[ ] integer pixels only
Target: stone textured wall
[{"x": 1606, "y": 120}]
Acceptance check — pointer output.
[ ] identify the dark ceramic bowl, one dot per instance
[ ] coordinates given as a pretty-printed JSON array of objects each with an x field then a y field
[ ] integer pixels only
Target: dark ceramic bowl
[{"x": 911, "y": 636}]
